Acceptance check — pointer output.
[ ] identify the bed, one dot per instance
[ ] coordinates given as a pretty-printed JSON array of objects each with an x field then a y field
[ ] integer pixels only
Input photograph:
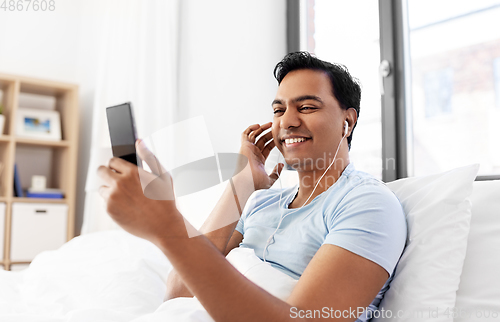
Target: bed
[{"x": 114, "y": 276}]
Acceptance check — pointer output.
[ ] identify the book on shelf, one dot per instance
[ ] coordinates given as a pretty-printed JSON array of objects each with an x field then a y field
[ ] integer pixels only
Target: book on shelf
[
  {"x": 18, "y": 191},
  {"x": 45, "y": 193}
]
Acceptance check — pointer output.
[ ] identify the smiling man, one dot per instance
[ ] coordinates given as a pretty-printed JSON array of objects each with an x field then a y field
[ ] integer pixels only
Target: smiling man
[{"x": 339, "y": 231}]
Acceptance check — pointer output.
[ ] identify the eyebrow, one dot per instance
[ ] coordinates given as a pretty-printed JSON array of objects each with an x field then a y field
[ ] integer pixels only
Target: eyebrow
[{"x": 300, "y": 99}]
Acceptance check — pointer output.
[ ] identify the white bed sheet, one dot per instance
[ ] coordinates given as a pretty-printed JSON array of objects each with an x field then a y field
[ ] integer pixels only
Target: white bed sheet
[
  {"x": 110, "y": 276},
  {"x": 113, "y": 276}
]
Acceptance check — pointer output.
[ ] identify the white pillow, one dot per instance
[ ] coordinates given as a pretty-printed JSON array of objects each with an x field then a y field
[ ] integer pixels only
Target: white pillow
[
  {"x": 247, "y": 263},
  {"x": 261, "y": 273},
  {"x": 478, "y": 297},
  {"x": 428, "y": 274}
]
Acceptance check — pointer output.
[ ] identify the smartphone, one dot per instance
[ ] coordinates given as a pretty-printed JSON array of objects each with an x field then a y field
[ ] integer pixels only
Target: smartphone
[{"x": 122, "y": 132}]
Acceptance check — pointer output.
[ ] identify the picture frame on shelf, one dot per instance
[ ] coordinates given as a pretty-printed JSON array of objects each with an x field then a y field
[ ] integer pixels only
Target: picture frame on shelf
[{"x": 38, "y": 124}]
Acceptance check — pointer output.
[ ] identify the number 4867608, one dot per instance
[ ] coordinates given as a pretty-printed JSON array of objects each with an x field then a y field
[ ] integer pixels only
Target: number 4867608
[{"x": 27, "y": 5}]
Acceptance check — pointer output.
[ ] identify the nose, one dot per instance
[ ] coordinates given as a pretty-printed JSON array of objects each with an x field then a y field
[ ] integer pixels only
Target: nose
[{"x": 289, "y": 119}]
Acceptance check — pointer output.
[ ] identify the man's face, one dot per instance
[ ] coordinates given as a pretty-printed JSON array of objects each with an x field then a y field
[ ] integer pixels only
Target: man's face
[{"x": 305, "y": 108}]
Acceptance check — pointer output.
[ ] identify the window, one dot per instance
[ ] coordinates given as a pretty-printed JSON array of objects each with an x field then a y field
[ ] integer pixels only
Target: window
[
  {"x": 442, "y": 106},
  {"x": 453, "y": 52},
  {"x": 438, "y": 90},
  {"x": 496, "y": 77},
  {"x": 347, "y": 32}
]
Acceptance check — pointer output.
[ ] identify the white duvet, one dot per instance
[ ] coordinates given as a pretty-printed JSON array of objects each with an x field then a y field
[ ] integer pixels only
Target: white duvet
[{"x": 113, "y": 276}]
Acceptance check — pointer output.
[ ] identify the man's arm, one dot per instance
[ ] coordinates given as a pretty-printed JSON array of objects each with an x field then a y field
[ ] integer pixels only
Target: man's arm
[
  {"x": 225, "y": 210},
  {"x": 220, "y": 224},
  {"x": 335, "y": 277}
]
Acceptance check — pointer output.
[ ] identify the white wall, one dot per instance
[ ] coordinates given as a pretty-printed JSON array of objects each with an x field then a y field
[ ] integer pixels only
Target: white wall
[
  {"x": 227, "y": 53},
  {"x": 59, "y": 45}
]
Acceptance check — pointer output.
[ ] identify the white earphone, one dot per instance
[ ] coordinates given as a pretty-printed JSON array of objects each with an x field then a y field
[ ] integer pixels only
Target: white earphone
[{"x": 346, "y": 129}]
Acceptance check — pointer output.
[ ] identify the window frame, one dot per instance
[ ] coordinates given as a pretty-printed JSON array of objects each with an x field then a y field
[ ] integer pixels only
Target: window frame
[{"x": 396, "y": 101}]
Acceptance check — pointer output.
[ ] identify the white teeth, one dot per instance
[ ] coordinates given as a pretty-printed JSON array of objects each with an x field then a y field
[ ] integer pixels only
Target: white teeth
[{"x": 295, "y": 140}]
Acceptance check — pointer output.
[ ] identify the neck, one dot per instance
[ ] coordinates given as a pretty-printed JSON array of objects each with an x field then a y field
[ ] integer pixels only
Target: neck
[{"x": 309, "y": 179}]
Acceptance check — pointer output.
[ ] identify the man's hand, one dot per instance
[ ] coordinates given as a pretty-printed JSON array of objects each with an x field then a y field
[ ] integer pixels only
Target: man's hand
[
  {"x": 257, "y": 154},
  {"x": 145, "y": 216}
]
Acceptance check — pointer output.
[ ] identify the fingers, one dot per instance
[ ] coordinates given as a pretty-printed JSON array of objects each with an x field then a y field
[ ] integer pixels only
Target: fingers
[
  {"x": 104, "y": 192},
  {"x": 149, "y": 158},
  {"x": 267, "y": 149},
  {"x": 263, "y": 139},
  {"x": 254, "y": 131},
  {"x": 258, "y": 131},
  {"x": 107, "y": 174},
  {"x": 120, "y": 165},
  {"x": 250, "y": 129},
  {"x": 276, "y": 172}
]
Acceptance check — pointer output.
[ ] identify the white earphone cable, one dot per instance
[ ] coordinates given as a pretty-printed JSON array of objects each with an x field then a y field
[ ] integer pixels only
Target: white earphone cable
[{"x": 279, "y": 204}]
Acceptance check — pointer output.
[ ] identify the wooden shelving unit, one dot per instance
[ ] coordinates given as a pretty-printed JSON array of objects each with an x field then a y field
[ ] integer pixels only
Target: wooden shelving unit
[{"x": 63, "y": 153}]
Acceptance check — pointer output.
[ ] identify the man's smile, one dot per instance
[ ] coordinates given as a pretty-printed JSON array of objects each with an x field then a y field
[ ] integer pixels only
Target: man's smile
[{"x": 295, "y": 141}]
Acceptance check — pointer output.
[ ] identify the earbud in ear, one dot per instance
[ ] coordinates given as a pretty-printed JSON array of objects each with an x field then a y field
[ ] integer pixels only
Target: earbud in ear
[{"x": 346, "y": 128}]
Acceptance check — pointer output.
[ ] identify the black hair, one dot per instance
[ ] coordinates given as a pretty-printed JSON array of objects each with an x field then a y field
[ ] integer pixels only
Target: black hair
[{"x": 345, "y": 88}]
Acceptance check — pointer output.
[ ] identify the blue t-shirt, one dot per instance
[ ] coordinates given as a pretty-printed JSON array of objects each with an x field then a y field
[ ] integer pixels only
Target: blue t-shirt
[{"x": 358, "y": 213}]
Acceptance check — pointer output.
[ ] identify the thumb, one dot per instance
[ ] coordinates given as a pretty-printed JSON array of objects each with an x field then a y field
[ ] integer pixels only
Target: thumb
[
  {"x": 276, "y": 172},
  {"x": 149, "y": 157}
]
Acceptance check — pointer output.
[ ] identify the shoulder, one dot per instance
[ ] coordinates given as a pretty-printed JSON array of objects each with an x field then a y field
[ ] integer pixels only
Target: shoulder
[
  {"x": 365, "y": 197},
  {"x": 372, "y": 205},
  {"x": 362, "y": 190},
  {"x": 263, "y": 198},
  {"x": 368, "y": 220}
]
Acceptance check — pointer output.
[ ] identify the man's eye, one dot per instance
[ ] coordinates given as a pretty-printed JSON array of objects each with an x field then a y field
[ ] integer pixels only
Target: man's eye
[
  {"x": 307, "y": 107},
  {"x": 278, "y": 111}
]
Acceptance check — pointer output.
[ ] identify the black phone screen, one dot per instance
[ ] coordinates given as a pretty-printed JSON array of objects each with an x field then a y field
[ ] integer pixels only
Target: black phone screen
[{"x": 122, "y": 132}]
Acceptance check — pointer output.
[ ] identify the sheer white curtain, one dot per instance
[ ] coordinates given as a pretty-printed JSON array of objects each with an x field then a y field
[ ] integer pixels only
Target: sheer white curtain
[{"x": 138, "y": 63}]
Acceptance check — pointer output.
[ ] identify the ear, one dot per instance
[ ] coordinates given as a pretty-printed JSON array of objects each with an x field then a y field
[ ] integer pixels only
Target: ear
[{"x": 351, "y": 117}]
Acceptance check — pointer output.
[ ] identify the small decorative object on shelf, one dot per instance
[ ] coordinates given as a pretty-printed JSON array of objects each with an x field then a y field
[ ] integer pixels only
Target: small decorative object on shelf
[
  {"x": 39, "y": 190},
  {"x": 18, "y": 191},
  {"x": 38, "y": 183},
  {"x": 46, "y": 193},
  {"x": 38, "y": 124}
]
